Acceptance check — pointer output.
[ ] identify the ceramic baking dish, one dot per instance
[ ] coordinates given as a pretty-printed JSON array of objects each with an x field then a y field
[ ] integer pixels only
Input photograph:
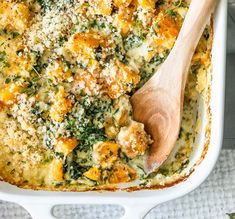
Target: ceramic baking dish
[{"x": 138, "y": 203}]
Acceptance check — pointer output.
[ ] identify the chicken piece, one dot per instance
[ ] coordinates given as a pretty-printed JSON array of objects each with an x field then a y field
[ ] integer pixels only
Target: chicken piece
[
  {"x": 105, "y": 153},
  {"x": 9, "y": 93},
  {"x": 122, "y": 173},
  {"x": 101, "y": 7},
  {"x": 85, "y": 81},
  {"x": 121, "y": 80},
  {"x": 14, "y": 16},
  {"x": 133, "y": 139},
  {"x": 61, "y": 106},
  {"x": 124, "y": 19},
  {"x": 93, "y": 173},
  {"x": 123, "y": 111},
  {"x": 57, "y": 170},
  {"x": 65, "y": 145},
  {"x": 147, "y": 4},
  {"x": 119, "y": 3}
]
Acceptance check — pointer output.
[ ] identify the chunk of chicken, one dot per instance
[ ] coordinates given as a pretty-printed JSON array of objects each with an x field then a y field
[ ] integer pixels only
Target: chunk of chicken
[
  {"x": 122, "y": 173},
  {"x": 133, "y": 139},
  {"x": 105, "y": 153}
]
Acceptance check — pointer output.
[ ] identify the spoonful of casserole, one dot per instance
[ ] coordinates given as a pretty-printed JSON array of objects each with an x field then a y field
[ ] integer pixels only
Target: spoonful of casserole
[{"x": 159, "y": 103}]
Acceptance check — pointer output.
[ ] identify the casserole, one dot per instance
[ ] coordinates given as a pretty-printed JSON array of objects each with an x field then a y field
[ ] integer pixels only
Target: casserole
[
  {"x": 138, "y": 202},
  {"x": 65, "y": 112}
]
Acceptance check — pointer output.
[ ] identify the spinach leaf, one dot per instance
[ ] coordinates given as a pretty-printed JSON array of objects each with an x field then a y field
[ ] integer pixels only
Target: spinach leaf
[{"x": 231, "y": 215}]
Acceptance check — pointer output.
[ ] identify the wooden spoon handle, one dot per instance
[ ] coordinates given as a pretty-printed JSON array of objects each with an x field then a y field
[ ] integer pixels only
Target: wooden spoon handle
[
  {"x": 194, "y": 24},
  {"x": 159, "y": 103},
  {"x": 198, "y": 16}
]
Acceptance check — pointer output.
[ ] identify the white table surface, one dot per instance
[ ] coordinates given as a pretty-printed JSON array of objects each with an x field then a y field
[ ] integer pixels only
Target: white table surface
[{"x": 213, "y": 199}]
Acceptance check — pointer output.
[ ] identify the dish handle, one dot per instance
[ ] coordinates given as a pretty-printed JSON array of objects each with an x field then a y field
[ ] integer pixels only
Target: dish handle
[
  {"x": 137, "y": 211},
  {"x": 39, "y": 211},
  {"x": 132, "y": 211}
]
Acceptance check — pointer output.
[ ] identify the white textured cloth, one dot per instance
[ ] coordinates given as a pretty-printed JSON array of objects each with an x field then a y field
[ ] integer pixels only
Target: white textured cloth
[{"x": 213, "y": 199}]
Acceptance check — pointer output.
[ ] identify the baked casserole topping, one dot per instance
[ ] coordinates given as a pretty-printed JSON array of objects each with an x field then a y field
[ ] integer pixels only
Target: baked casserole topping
[{"x": 67, "y": 71}]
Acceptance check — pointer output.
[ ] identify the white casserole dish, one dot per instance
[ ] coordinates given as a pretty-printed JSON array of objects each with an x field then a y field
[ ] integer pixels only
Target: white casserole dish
[{"x": 138, "y": 203}]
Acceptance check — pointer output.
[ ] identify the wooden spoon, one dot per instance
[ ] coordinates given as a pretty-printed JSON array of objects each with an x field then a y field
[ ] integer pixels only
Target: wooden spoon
[{"x": 159, "y": 103}]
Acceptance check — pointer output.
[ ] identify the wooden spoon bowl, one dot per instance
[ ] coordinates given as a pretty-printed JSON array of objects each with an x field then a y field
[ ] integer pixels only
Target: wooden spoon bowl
[{"x": 159, "y": 103}]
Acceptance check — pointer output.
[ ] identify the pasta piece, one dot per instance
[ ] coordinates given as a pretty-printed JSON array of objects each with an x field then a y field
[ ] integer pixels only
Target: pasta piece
[
  {"x": 123, "y": 111},
  {"x": 111, "y": 130},
  {"x": 167, "y": 30},
  {"x": 121, "y": 116},
  {"x": 83, "y": 45}
]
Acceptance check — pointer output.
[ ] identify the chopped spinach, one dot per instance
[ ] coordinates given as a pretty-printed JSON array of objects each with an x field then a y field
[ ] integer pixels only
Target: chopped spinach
[
  {"x": 73, "y": 168},
  {"x": 62, "y": 40},
  {"x": 206, "y": 34},
  {"x": 7, "y": 81},
  {"x": 32, "y": 86},
  {"x": 80, "y": 122},
  {"x": 98, "y": 53},
  {"x": 45, "y": 4},
  {"x": 171, "y": 13},
  {"x": 160, "y": 2},
  {"x": 157, "y": 60},
  {"x": 132, "y": 41},
  {"x": 3, "y": 60},
  {"x": 2, "y": 56},
  {"x": 231, "y": 215},
  {"x": 14, "y": 34}
]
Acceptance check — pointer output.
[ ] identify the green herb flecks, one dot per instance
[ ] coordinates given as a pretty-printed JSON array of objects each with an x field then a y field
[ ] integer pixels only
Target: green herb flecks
[
  {"x": 206, "y": 34},
  {"x": 178, "y": 3},
  {"x": 86, "y": 121},
  {"x": 171, "y": 13},
  {"x": 7, "y": 81},
  {"x": 4, "y": 60},
  {"x": 74, "y": 168},
  {"x": 14, "y": 34},
  {"x": 132, "y": 41},
  {"x": 231, "y": 215},
  {"x": 45, "y": 4},
  {"x": 160, "y": 2},
  {"x": 32, "y": 87}
]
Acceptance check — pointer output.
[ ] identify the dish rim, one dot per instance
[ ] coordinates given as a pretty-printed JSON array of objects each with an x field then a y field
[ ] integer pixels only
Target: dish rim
[{"x": 150, "y": 198}]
